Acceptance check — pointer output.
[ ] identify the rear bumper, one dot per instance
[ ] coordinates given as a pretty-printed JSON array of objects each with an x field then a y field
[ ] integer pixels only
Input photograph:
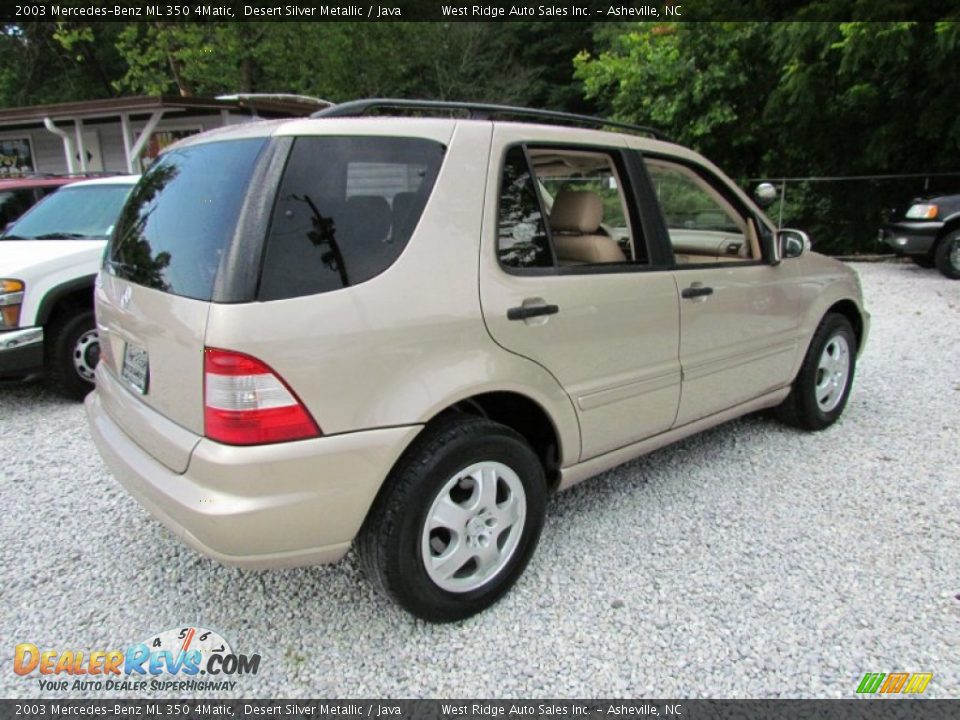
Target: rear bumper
[
  {"x": 21, "y": 352},
  {"x": 281, "y": 505},
  {"x": 910, "y": 238}
]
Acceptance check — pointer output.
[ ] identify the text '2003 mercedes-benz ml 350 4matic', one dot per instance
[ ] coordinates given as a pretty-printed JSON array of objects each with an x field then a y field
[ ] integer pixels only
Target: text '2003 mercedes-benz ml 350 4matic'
[{"x": 407, "y": 331}]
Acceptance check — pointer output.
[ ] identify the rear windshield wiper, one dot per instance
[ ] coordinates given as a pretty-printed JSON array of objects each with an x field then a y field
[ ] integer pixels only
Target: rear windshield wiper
[{"x": 60, "y": 236}]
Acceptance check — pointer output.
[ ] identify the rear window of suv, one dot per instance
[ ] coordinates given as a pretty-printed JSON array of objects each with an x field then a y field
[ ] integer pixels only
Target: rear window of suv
[
  {"x": 181, "y": 217},
  {"x": 345, "y": 210}
]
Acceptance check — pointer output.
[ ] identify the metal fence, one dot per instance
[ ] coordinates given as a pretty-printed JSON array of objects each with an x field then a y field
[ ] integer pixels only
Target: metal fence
[{"x": 843, "y": 214}]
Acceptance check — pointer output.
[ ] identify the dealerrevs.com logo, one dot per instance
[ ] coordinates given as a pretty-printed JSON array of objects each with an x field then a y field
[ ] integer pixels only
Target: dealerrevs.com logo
[{"x": 182, "y": 660}]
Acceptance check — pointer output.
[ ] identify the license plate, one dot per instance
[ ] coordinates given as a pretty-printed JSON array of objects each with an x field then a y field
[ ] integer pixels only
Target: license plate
[{"x": 136, "y": 368}]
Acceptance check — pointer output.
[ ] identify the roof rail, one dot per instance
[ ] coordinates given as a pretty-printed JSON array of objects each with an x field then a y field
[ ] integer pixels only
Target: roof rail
[
  {"x": 275, "y": 97},
  {"x": 479, "y": 111}
]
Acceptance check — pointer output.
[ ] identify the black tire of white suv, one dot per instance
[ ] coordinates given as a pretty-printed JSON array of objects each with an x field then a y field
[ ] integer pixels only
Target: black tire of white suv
[
  {"x": 72, "y": 351},
  {"x": 822, "y": 387},
  {"x": 434, "y": 506}
]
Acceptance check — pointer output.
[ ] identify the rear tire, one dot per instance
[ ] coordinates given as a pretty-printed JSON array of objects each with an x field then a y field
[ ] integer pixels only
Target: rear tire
[
  {"x": 73, "y": 352},
  {"x": 947, "y": 255},
  {"x": 456, "y": 521},
  {"x": 822, "y": 386}
]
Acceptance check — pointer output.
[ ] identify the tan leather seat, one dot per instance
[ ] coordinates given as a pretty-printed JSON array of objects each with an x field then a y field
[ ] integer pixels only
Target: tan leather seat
[
  {"x": 574, "y": 220},
  {"x": 364, "y": 237},
  {"x": 405, "y": 216}
]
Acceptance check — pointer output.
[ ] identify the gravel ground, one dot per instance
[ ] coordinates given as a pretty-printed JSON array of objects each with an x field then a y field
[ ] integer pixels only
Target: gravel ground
[{"x": 752, "y": 560}]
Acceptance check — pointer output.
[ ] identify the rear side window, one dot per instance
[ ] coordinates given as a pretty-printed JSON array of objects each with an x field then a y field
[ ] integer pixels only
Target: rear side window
[
  {"x": 181, "y": 217},
  {"x": 345, "y": 210}
]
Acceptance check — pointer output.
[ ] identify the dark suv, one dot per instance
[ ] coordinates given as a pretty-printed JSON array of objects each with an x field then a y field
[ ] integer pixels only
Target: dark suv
[{"x": 928, "y": 232}]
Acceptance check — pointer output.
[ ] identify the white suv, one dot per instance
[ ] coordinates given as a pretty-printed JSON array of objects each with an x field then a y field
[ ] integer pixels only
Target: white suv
[
  {"x": 49, "y": 259},
  {"x": 409, "y": 331}
]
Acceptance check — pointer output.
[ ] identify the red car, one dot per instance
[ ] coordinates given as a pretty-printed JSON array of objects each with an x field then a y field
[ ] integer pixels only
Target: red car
[{"x": 17, "y": 195}]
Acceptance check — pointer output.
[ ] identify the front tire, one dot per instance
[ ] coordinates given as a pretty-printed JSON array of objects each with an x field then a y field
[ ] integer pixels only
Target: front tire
[
  {"x": 822, "y": 386},
  {"x": 457, "y": 520},
  {"x": 73, "y": 351},
  {"x": 947, "y": 255}
]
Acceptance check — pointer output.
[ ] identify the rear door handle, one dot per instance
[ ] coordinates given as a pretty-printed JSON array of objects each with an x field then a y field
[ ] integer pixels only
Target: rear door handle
[
  {"x": 696, "y": 291},
  {"x": 522, "y": 312}
]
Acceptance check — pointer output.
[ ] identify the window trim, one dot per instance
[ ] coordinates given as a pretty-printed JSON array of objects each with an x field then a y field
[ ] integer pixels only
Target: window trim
[
  {"x": 630, "y": 194},
  {"x": 501, "y": 166},
  {"x": 547, "y": 230},
  {"x": 248, "y": 247}
]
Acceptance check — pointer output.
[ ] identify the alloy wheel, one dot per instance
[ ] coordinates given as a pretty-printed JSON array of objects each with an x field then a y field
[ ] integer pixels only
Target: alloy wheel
[{"x": 473, "y": 527}]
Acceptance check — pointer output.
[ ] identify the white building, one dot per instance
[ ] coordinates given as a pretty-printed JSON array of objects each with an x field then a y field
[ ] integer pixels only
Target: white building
[{"x": 122, "y": 134}]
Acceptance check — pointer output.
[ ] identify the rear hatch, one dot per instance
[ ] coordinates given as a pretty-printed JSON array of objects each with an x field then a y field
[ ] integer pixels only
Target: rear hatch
[{"x": 161, "y": 269}]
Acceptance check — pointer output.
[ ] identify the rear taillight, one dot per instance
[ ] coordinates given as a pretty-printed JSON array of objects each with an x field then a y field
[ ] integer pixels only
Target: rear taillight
[{"x": 246, "y": 403}]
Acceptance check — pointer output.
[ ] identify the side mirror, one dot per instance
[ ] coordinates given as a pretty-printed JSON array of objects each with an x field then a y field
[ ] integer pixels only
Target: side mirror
[
  {"x": 792, "y": 243},
  {"x": 765, "y": 194}
]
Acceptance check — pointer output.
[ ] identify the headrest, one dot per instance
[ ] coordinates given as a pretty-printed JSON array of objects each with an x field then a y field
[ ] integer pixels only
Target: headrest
[
  {"x": 576, "y": 211},
  {"x": 369, "y": 215},
  {"x": 402, "y": 202},
  {"x": 404, "y": 216}
]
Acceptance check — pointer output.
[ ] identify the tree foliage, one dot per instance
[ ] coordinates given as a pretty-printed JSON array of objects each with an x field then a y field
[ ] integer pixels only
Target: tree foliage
[
  {"x": 526, "y": 63},
  {"x": 760, "y": 99},
  {"x": 795, "y": 99},
  {"x": 45, "y": 62}
]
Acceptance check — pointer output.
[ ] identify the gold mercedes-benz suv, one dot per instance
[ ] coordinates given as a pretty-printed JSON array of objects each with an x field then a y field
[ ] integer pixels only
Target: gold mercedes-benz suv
[{"x": 404, "y": 324}]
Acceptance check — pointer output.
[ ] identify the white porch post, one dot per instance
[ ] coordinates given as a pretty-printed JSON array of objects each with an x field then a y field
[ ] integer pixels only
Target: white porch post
[
  {"x": 144, "y": 136},
  {"x": 81, "y": 149},
  {"x": 127, "y": 140},
  {"x": 67, "y": 143}
]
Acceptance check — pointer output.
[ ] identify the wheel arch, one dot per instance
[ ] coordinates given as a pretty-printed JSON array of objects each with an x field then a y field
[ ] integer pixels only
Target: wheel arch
[
  {"x": 851, "y": 311},
  {"x": 839, "y": 298},
  {"x": 950, "y": 225},
  {"x": 76, "y": 293},
  {"x": 941, "y": 250},
  {"x": 523, "y": 415}
]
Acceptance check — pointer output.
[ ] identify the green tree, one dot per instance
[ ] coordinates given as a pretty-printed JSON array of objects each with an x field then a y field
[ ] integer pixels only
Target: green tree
[
  {"x": 526, "y": 63},
  {"x": 795, "y": 99},
  {"x": 46, "y": 62}
]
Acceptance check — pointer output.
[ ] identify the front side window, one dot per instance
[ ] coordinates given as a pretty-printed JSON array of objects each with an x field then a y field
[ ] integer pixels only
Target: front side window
[
  {"x": 703, "y": 225},
  {"x": 345, "y": 210}
]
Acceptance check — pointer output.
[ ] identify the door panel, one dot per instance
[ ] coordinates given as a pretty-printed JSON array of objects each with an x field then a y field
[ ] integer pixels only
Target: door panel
[
  {"x": 612, "y": 345},
  {"x": 737, "y": 342},
  {"x": 738, "y": 321},
  {"x": 612, "y": 341}
]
